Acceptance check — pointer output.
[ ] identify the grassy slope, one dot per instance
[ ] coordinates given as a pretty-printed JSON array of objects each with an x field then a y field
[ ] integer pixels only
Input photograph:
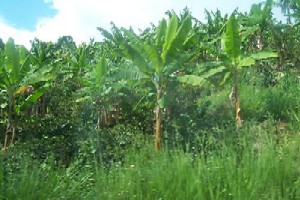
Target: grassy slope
[{"x": 254, "y": 166}]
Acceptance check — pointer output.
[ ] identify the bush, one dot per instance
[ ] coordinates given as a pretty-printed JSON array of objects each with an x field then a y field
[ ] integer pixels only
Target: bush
[
  {"x": 107, "y": 146},
  {"x": 282, "y": 100},
  {"x": 247, "y": 172}
]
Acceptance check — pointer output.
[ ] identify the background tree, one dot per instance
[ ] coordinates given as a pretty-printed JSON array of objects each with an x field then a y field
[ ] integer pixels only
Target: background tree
[
  {"x": 157, "y": 56},
  {"x": 234, "y": 60},
  {"x": 18, "y": 77},
  {"x": 290, "y": 8}
]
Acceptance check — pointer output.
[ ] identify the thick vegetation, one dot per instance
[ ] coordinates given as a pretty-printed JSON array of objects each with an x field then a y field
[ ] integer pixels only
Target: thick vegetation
[{"x": 219, "y": 99}]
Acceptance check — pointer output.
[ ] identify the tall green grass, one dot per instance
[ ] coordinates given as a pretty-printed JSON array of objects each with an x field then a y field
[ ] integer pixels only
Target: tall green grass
[
  {"x": 252, "y": 164},
  {"x": 29, "y": 180},
  {"x": 258, "y": 170}
]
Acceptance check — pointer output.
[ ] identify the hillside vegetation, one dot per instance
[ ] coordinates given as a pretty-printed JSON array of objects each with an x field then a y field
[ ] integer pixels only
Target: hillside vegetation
[{"x": 185, "y": 109}]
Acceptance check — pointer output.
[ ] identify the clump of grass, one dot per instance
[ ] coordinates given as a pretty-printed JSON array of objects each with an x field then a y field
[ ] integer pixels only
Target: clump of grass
[
  {"x": 282, "y": 100},
  {"x": 251, "y": 165},
  {"x": 32, "y": 180},
  {"x": 248, "y": 169}
]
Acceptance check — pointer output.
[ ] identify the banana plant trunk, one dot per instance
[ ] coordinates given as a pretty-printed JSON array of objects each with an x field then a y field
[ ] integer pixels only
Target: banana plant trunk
[
  {"x": 10, "y": 125},
  {"x": 158, "y": 120},
  {"x": 238, "y": 118},
  {"x": 288, "y": 14},
  {"x": 99, "y": 119},
  {"x": 259, "y": 44}
]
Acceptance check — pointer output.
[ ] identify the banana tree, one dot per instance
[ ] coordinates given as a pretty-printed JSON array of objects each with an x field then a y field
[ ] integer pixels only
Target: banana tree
[
  {"x": 290, "y": 8},
  {"x": 42, "y": 55},
  {"x": 99, "y": 89},
  {"x": 157, "y": 55},
  {"x": 256, "y": 23},
  {"x": 90, "y": 67},
  {"x": 234, "y": 60},
  {"x": 18, "y": 76}
]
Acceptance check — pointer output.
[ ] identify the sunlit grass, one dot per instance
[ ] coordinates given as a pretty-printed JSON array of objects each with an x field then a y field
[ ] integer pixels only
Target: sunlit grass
[
  {"x": 265, "y": 172},
  {"x": 253, "y": 165}
]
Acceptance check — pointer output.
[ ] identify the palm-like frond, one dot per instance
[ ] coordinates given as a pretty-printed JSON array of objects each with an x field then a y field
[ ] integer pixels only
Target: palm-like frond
[
  {"x": 161, "y": 32},
  {"x": 170, "y": 36},
  {"x": 232, "y": 39},
  {"x": 12, "y": 61}
]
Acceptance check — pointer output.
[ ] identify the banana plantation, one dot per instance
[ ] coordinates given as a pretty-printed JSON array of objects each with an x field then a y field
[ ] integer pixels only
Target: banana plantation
[{"x": 184, "y": 109}]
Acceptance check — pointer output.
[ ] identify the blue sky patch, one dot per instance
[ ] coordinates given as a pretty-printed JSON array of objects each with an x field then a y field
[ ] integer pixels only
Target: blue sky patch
[{"x": 24, "y": 14}]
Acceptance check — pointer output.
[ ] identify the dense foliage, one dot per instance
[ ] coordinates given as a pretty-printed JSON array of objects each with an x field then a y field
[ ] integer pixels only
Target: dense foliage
[{"x": 220, "y": 99}]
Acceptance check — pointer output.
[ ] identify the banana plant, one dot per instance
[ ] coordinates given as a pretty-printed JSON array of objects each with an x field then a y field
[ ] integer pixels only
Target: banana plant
[
  {"x": 256, "y": 23},
  {"x": 290, "y": 8},
  {"x": 235, "y": 60},
  {"x": 18, "y": 76},
  {"x": 157, "y": 55},
  {"x": 100, "y": 88},
  {"x": 94, "y": 86}
]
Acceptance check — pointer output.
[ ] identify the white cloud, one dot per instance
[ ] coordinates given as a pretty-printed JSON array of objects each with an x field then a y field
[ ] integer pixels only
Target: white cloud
[
  {"x": 20, "y": 36},
  {"x": 80, "y": 18}
]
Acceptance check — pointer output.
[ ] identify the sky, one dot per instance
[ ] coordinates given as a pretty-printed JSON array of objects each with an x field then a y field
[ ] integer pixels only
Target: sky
[{"x": 47, "y": 20}]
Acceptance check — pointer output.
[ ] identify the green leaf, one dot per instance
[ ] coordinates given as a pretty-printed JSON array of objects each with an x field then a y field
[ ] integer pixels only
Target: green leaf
[
  {"x": 198, "y": 80},
  {"x": 249, "y": 31},
  {"x": 42, "y": 74},
  {"x": 135, "y": 51},
  {"x": 193, "y": 80},
  {"x": 206, "y": 65},
  {"x": 12, "y": 61},
  {"x": 101, "y": 69},
  {"x": 4, "y": 76},
  {"x": 141, "y": 63},
  {"x": 177, "y": 63},
  {"x": 170, "y": 35},
  {"x": 31, "y": 99},
  {"x": 128, "y": 73},
  {"x": 264, "y": 55},
  {"x": 97, "y": 73},
  {"x": 82, "y": 58},
  {"x": 160, "y": 33},
  {"x": 106, "y": 34},
  {"x": 246, "y": 62},
  {"x": 213, "y": 72},
  {"x": 232, "y": 39},
  {"x": 226, "y": 78},
  {"x": 153, "y": 56},
  {"x": 181, "y": 36},
  {"x": 163, "y": 102}
]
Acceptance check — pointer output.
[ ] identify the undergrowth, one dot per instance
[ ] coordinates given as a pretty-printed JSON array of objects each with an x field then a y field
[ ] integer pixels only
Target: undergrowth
[{"x": 253, "y": 164}]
